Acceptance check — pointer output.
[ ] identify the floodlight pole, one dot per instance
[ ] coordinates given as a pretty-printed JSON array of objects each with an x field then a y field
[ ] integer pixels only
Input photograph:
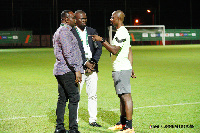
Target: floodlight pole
[
  {"x": 90, "y": 13},
  {"x": 153, "y": 11},
  {"x": 153, "y": 19},
  {"x": 57, "y": 13},
  {"x": 191, "y": 13},
  {"x": 50, "y": 27},
  {"x": 53, "y": 14},
  {"x": 159, "y": 12},
  {"x": 13, "y": 14}
]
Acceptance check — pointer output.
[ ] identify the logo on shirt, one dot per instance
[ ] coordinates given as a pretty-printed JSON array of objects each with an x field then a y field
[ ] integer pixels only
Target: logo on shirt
[{"x": 120, "y": 41}]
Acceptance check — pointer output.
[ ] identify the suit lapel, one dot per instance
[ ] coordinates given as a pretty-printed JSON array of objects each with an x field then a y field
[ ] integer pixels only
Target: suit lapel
[
  {"x": 76, "y": 35},
  {"x": 90, "y": 41},
  {"x": 78, "y": 39}
]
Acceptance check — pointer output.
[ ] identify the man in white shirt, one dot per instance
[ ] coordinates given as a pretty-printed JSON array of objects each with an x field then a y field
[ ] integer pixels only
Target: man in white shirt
[
  {"x": 122, "y": 58},
  {"x": 91, "y": 52}
]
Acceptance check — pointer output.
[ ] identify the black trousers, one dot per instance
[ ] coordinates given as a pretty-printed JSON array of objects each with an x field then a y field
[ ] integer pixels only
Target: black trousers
[{"x": 68, "y": 91}]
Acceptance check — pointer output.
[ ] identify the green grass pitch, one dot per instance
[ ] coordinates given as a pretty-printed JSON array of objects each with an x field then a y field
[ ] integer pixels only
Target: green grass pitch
[{"x": 166, "y": 91}]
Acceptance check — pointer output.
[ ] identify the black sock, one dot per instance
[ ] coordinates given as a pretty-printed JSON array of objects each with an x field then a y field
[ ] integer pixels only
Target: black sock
[
  {"x": 129, "y": 124},
  {"x": 123, "y": 119}
]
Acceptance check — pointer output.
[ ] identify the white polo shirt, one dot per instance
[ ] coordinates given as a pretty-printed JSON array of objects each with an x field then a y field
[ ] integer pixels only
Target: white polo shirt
[{"x": 120, "y": 60}]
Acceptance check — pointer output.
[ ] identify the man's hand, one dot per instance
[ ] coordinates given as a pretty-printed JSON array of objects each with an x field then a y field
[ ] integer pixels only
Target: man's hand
[
  {"x": 88, "y": 70},
  {"x": 78, "y": 77},
  {"x": 111, "y": 48},
  {"x": 133, "y": 74},
  {"x": 96, "y": 38},
  {"x": 90, "y": 65}
]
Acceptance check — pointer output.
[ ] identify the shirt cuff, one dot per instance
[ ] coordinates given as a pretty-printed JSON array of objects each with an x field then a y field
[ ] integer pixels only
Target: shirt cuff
[{"x": 79, "y": 69}]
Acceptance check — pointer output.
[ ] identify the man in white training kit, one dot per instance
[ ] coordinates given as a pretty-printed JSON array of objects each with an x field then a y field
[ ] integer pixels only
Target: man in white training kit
[{"x": 122, "y": 58}]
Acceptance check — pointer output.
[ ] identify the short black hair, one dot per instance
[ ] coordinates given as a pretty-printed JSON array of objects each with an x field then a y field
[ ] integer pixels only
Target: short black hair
[{"x": 65, "y": 14}]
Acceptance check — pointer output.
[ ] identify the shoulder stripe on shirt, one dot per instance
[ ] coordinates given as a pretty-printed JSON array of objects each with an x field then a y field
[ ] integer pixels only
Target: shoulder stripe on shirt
[{"x": 120, "y": 41}]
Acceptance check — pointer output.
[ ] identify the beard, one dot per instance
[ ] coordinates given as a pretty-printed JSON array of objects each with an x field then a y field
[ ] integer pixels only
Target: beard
[{"x": 82, "y": 27}]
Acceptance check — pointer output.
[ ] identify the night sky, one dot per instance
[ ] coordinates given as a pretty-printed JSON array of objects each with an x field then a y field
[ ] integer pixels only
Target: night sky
[{"x": 43, "y": 16}]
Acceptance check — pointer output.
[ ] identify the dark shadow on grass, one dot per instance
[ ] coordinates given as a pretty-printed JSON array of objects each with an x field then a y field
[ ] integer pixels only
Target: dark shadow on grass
[
  {"x": 96, "y": 129},
  {"x": 109, "y": 117},
  {"x": 52, "y": 117},
  {"x": 83, "y": 114},
  {"x": 51, "y": 114}
]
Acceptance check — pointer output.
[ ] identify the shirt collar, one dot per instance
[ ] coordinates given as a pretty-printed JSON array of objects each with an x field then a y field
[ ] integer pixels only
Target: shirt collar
[
  {"x": 66, "y": 25},
  {"x": 120, "y": 28},
  {"x": 79, "y": 30}
]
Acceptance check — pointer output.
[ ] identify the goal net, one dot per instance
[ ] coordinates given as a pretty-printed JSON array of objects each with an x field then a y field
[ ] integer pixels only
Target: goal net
[{"x": 143, "y": 33}]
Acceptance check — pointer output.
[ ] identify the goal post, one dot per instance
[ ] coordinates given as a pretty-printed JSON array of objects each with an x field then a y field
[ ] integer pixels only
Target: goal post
[{"x": 143, "y": 33}]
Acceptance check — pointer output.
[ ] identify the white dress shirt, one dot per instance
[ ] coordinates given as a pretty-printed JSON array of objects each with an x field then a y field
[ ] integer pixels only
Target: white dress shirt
[{"x": 84, "y": 40}]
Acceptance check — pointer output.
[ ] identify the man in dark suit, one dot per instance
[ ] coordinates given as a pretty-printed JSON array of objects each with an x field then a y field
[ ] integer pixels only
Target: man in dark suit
[{"x": 91, "y": 52}]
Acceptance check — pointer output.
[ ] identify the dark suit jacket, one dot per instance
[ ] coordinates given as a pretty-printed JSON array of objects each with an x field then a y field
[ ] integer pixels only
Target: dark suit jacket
[{"x": 96, "y": 49}]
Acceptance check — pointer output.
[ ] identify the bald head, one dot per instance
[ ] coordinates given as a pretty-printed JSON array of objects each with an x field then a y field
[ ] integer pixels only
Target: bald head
[
  {"x": 119, "y": 14},
  {"x": 79, "y": 12}
]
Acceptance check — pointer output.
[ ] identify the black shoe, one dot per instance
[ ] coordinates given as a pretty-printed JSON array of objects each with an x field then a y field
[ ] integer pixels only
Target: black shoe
[
  {"x": 61, "y": 131},
  {"x": 74, "y": 131},
  {"x": 94, "y": 124},
  {"x": 118, "y": 123},
  {"x": 125, "y": 128}
]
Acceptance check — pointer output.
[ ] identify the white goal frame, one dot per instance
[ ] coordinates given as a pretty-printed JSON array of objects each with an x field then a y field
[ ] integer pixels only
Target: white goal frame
[{"x": 156, "y": 26}]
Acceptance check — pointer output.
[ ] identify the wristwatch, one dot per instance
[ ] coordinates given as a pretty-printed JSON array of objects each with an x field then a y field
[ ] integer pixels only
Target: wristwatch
[{"x": 103, "y": 40}]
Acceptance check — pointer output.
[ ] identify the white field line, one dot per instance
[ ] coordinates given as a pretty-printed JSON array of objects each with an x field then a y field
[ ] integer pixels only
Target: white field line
[
  {"x": 14, "y": 118},
  {"x": 159, "y": 106},
  {"x": 23, "y": 117}
]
